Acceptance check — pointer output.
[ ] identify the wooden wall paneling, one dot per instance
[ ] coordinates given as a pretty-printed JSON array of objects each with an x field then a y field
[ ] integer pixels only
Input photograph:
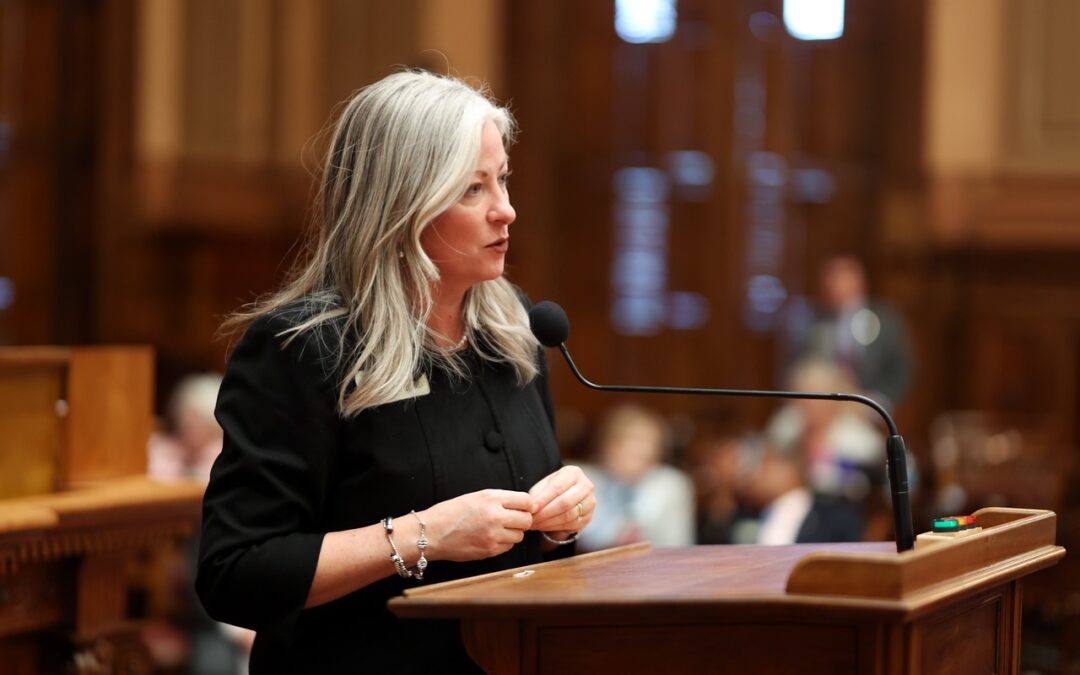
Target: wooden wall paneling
[
  {"x": 923, "y": 287},
  {"x": 584, "y": 168},
  {"x": 75, "y": 188},
  {"x": 532, "y": 33},
  {"x": 627, "y": 105},
  {"x": 902, "y": 215},
  {"x": 212, "y": 78},
  {"x": 119, "y": 272},
  {"x": 52, "y": 93},
  {"x": 30, "y": 92},
  {"x": 352, "y": 50},
  {"x": 927, "y": 288},
  {"x": 255, "y": 90},
  {"x": 8, "y": 31},
  {"x": 836, "y": 108},
  {"x": 1043, "y": 104},
  {"x": 160, "y": 37},
  {"x": 210, "y": 201},
  {"x": 20, "y": 656},
  {"x": 758, "y": 215},
  {"x": 1014, "y": 185},
  {"x": 713, "y": 232},
  {"x": 302, "y": 66},
  {"x": 443, "y": 25},
  {"x": 683, "y": 93},
  {"x": 560, "y": 70},
  {"x": 1004, "y": 350},
  {"x": 548, "y": 218},
  {"x": 695, "y": 115}
]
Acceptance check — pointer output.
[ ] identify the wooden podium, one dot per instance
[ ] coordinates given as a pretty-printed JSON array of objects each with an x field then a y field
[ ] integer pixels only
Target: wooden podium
[{"x": 950, "y": 607}]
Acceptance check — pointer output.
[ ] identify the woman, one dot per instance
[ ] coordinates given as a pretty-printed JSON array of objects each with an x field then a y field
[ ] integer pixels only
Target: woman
[
  {"x": 642, "y": 498},
  {"x": 389, "y": 401}
]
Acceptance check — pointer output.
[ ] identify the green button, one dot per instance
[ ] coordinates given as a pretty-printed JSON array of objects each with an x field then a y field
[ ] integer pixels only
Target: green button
[{"x": 946, "y": 525}]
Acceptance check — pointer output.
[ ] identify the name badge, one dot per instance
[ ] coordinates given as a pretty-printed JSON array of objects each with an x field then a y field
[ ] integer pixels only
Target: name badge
[{"x": 419, "y": 388}]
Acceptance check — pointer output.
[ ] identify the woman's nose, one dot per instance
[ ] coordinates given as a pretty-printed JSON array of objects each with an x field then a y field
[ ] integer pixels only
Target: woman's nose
[{"x": 502, "y": 213}]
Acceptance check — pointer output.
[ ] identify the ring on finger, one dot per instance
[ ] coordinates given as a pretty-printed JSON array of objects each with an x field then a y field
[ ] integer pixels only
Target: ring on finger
[{"x": 580, "y": 512}]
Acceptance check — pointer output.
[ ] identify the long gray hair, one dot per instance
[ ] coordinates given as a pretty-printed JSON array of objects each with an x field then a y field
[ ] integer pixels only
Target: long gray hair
[{"x": 401, "y": 153}]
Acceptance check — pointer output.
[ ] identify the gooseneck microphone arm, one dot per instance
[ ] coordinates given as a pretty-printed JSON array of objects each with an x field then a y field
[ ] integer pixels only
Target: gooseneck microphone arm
[
  {"x": 756, "y": 393},
  {"x": 550, "y": 325}
]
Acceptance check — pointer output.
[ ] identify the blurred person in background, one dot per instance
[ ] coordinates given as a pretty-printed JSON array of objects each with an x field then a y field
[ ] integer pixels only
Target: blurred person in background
[
  {"x": 185, "y": 449},
  {"x": 866, "y": 336},
  {"x": 754, "y": 493},
  {"x": 191, "y": 440},
  {"x": 788, "y": 510},
  {"x": 843, "y": 452},
  {"x": 639, "y": 496},
  {"x": 720, "y": 472}
]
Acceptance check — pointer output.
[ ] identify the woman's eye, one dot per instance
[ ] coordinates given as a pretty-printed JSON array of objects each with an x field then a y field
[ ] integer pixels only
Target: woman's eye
[
  {"x": 504, "y": 178},
  {"x": 473, "y": 189}
]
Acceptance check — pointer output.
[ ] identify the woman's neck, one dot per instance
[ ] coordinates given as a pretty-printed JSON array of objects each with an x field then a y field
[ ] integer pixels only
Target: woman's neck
[{"x": 447, "y": 320}]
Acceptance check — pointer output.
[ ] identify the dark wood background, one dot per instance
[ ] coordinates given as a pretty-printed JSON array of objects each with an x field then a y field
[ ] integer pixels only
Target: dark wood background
[
  {"x": 105, "y": 244},
  {"x": 114, "y": 230}
]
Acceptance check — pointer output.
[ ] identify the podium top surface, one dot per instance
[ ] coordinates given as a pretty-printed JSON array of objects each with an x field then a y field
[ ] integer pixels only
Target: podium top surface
[
  {"x": 630, "y": 575},
  {"x": 840, "y": 577}
]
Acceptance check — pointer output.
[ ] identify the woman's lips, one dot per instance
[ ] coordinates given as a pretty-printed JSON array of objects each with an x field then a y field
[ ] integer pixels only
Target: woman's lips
[{"x": 501, "y": 245}]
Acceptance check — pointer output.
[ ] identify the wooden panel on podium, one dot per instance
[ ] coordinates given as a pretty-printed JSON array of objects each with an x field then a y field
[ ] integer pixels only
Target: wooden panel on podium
[{"x": 953, "y": 607}]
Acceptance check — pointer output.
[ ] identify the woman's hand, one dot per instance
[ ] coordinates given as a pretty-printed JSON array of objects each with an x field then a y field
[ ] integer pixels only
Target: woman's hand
[
  {"x": 477, "y": 525},
  {"x": 563, "y": 502}
]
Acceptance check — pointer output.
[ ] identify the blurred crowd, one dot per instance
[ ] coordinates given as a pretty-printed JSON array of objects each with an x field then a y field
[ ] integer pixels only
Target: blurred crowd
[{"x": 814, "y": 473}]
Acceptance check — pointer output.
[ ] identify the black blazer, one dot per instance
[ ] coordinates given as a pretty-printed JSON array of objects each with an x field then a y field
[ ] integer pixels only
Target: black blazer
[{"x": 293, "y": 469}]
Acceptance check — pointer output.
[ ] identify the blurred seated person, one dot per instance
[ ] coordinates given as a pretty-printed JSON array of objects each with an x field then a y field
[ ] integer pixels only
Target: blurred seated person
[
  {"x": 867, "y": 336},
  {"x": 788, "y": 511},
  {"x": 186, "y": 449},
  {"x": 716, "y": 479},
  {"x": 843, "y": 452},
  {"x": 638, "y": 497},
  {"x": 192, "y": 438}
]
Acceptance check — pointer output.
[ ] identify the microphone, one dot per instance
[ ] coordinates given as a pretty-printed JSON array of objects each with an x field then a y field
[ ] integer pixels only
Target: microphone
[{"x": 551, "y": 327}]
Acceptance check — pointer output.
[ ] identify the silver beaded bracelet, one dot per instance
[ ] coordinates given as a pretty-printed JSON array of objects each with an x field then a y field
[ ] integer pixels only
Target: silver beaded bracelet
[
  {"x": 403, "y": 570},
  {"x": 395, "y": 557},
  {"x": 561, "y": 542},
  {"x": 421, "y": 543}
]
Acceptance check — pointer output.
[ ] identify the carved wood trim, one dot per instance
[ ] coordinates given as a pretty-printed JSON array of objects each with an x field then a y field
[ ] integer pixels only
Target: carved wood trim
[{"x": 112, "y": 517}]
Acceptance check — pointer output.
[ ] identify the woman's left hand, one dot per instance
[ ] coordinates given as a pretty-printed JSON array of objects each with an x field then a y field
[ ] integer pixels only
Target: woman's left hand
[{"x": 563, "y": 501}]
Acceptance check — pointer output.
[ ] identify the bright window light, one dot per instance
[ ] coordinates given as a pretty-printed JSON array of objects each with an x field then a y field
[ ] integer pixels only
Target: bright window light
[
  {"x": 814, "y": 19},
  {"x": 640, "y": 21}
]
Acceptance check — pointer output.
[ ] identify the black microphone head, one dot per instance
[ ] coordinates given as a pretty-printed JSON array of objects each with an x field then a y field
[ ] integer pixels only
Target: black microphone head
[{"x": 549, "y": 323}]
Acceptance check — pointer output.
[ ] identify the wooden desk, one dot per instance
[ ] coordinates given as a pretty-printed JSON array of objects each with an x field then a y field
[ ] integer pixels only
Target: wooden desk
[
  {"x": 63, "y": 572},
  {"x": 76, "y": 508},
  {"x": 841, "y": 608}
]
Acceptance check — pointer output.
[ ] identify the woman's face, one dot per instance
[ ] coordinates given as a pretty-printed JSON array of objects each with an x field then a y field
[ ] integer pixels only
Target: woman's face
[{"x": 468, "y": 241}]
